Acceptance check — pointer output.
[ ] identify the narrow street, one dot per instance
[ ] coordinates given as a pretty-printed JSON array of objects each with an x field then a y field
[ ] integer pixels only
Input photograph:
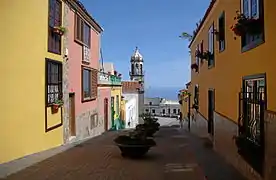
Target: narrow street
[{"x": 178, "y": 155}]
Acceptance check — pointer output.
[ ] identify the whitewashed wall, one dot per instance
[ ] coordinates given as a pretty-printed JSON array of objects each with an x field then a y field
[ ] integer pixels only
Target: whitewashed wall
[{"x": 132, "y": 110}]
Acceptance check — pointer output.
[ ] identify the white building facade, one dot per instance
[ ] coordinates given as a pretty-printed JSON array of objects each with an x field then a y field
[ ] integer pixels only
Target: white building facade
[{"x": 161, "y": 107}]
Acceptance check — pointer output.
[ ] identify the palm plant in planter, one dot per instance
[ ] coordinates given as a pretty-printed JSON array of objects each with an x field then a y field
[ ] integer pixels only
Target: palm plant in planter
[
  {"x": 138, "y": 143},
  {"x": 135, "y": 144},
  {"x": 150, "y": 125},
  {"x": 194, "y": 66},
  {"x": 245, "y": 25},
  {"x": 56, "y": 105},
  {"x": 59, "y": 30}
]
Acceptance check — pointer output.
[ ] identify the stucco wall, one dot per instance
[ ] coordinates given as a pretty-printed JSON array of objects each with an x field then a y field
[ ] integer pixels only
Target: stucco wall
[
  {"x": 84, "y": 111},
  {"x": 22, "y": 74},
  {"x": 231, "y": 64},
  {"x": 104, "y": 92},
  {"x": 132, "y": 111}
]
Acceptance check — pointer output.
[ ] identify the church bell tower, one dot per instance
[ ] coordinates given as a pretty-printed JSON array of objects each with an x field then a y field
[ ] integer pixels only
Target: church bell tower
[{"x": 136, "y": 73}]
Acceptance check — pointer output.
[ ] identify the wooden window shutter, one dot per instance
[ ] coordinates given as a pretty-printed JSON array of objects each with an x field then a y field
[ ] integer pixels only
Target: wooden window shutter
[{"x": 94, "y": 83}]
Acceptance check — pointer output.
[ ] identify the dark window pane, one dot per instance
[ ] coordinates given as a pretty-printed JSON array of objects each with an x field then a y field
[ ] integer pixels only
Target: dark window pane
[
  {"x": 86, "y": 83},
  {"x": 53, "y": 83},
  {"x": 86, "y": 34}
]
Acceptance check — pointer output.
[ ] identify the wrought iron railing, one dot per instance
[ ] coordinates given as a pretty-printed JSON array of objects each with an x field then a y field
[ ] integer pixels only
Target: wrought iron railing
[
  {"x": 108, "y": 79},
  {"x": 251, "y": 128},
  {"x": 115, "y": 80}
]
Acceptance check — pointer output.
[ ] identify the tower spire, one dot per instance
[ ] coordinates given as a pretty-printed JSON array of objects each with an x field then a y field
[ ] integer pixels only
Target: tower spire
[{"x": 136, "y": 72}]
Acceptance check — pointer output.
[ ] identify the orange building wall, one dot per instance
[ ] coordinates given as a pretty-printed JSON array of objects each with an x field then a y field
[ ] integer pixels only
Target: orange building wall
[{"x": 231, "y": 65}]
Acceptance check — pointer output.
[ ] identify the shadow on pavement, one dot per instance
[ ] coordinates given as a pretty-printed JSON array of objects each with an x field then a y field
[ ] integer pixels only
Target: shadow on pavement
[{"x": 214, "y": 166}]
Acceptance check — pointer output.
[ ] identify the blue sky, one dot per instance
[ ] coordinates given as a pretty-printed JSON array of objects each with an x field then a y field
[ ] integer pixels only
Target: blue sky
[{"x": 153, "y": 26}]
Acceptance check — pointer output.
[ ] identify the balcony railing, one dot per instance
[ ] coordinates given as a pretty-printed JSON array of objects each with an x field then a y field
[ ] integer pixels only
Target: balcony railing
[
  {"x": 107, "y": 79},
  {"x": 115, "y": 80}
]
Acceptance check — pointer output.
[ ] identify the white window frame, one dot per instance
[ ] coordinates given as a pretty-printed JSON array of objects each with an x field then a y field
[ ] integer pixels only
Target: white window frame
[
  {"x": 250, "y": 8},
  {"x": 211, "y": 39},
  {"x": 197, "y": 58}
]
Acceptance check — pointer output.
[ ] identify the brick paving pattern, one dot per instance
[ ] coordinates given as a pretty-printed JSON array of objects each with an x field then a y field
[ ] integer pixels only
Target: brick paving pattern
[{"x": 99, "y": 159}]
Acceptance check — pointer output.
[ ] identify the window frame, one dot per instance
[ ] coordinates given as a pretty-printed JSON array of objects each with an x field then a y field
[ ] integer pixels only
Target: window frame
[
  {"x": 48, "y": 77},
  {"x": 93, "y": 95},
  {"x": 211, "y": 46},
  {"x": 249, "y": 42},
  {"x": 54, "y": 39},
  {"x": 222, "y": 38},
  {"x": 79, "y": 34}
]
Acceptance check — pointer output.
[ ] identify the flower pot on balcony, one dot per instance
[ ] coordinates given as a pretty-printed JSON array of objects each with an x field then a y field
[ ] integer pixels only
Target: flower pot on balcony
[
  {"x": 56, "y": 105},
  {"x": 245, "y": 25},
  {"x": 54, "y": 108},
  {"x": 59, "y": 30},
  {"x": 194, "y": 66}
]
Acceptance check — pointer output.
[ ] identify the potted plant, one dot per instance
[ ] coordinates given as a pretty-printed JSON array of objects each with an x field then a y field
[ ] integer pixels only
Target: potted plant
[
  {"x": 150, "y": 125},
  {"x": 135, "y": 144},
  {"x": 194, "y": 66},
  {"x": 59, "y": 30},
  {"x": 245, "y": 25},
  {"x": 199, "y": 54},
  {"x": 206, "y": 55},
  {"x": 56, "y": 105}
]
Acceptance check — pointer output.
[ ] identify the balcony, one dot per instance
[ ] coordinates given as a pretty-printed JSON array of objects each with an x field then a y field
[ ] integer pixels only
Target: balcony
[
  {"x": 115, "y": 80},
  {"x": 107, "y": 79}
]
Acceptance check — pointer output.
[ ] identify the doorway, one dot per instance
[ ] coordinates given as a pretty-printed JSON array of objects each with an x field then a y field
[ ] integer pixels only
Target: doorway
[
  {"x": 211, "y": 109},
  {"x": 106, "y": 114},
  {"x": 112, "y": 112},
  {"x": 72, "y": 119}
]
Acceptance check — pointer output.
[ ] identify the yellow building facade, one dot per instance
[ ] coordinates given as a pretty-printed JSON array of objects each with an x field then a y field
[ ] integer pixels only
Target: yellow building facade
[
  {"x": 234, "y": 85},
  {"x": 27, "y": 123},
  {"x": 116, "y": 94}
]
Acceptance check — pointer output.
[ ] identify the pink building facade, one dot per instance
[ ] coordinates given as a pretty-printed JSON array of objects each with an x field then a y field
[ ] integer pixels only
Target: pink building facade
[
  {"x": 83, "y": 56},
  {"x": 104, "y": 106}
]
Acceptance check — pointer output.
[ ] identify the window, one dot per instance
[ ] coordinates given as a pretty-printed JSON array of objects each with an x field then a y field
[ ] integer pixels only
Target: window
[
  {"x": 54, "y": 39},
  {"x": 150, "y": 103},
  {"x": 153, "y": 111},
  {"x": 147, "y": 110},
  {"x": 169, "y": 111},
  {"x": 89, "y": 84},
  {"x": 252, "y": 9},
  {"x": 211, "y": 60},
  {"x": 164, "y": 111},
  {"x": 221, "y": 32},
  {"x": 252, "y": 106},
  {"x": 197, "y": 58},
  {"x": 53, "y": 81},
  {"x": 174, "y": 111},
  {"x": 82, "y": 31}
]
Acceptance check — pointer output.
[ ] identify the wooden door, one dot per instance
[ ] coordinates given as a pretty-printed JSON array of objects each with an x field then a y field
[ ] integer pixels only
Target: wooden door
[
  {"x": 106, "y": 114},
  {"x": 211, "y": 109},
  {"x": 72, "y": 119}
]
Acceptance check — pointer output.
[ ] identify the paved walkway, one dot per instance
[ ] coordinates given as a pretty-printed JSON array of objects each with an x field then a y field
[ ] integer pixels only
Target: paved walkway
[{"x": 175, "y": 157}]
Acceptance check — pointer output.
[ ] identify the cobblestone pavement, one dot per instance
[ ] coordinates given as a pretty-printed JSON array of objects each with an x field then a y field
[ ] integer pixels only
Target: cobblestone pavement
[{"x": 99, "y": 159}]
